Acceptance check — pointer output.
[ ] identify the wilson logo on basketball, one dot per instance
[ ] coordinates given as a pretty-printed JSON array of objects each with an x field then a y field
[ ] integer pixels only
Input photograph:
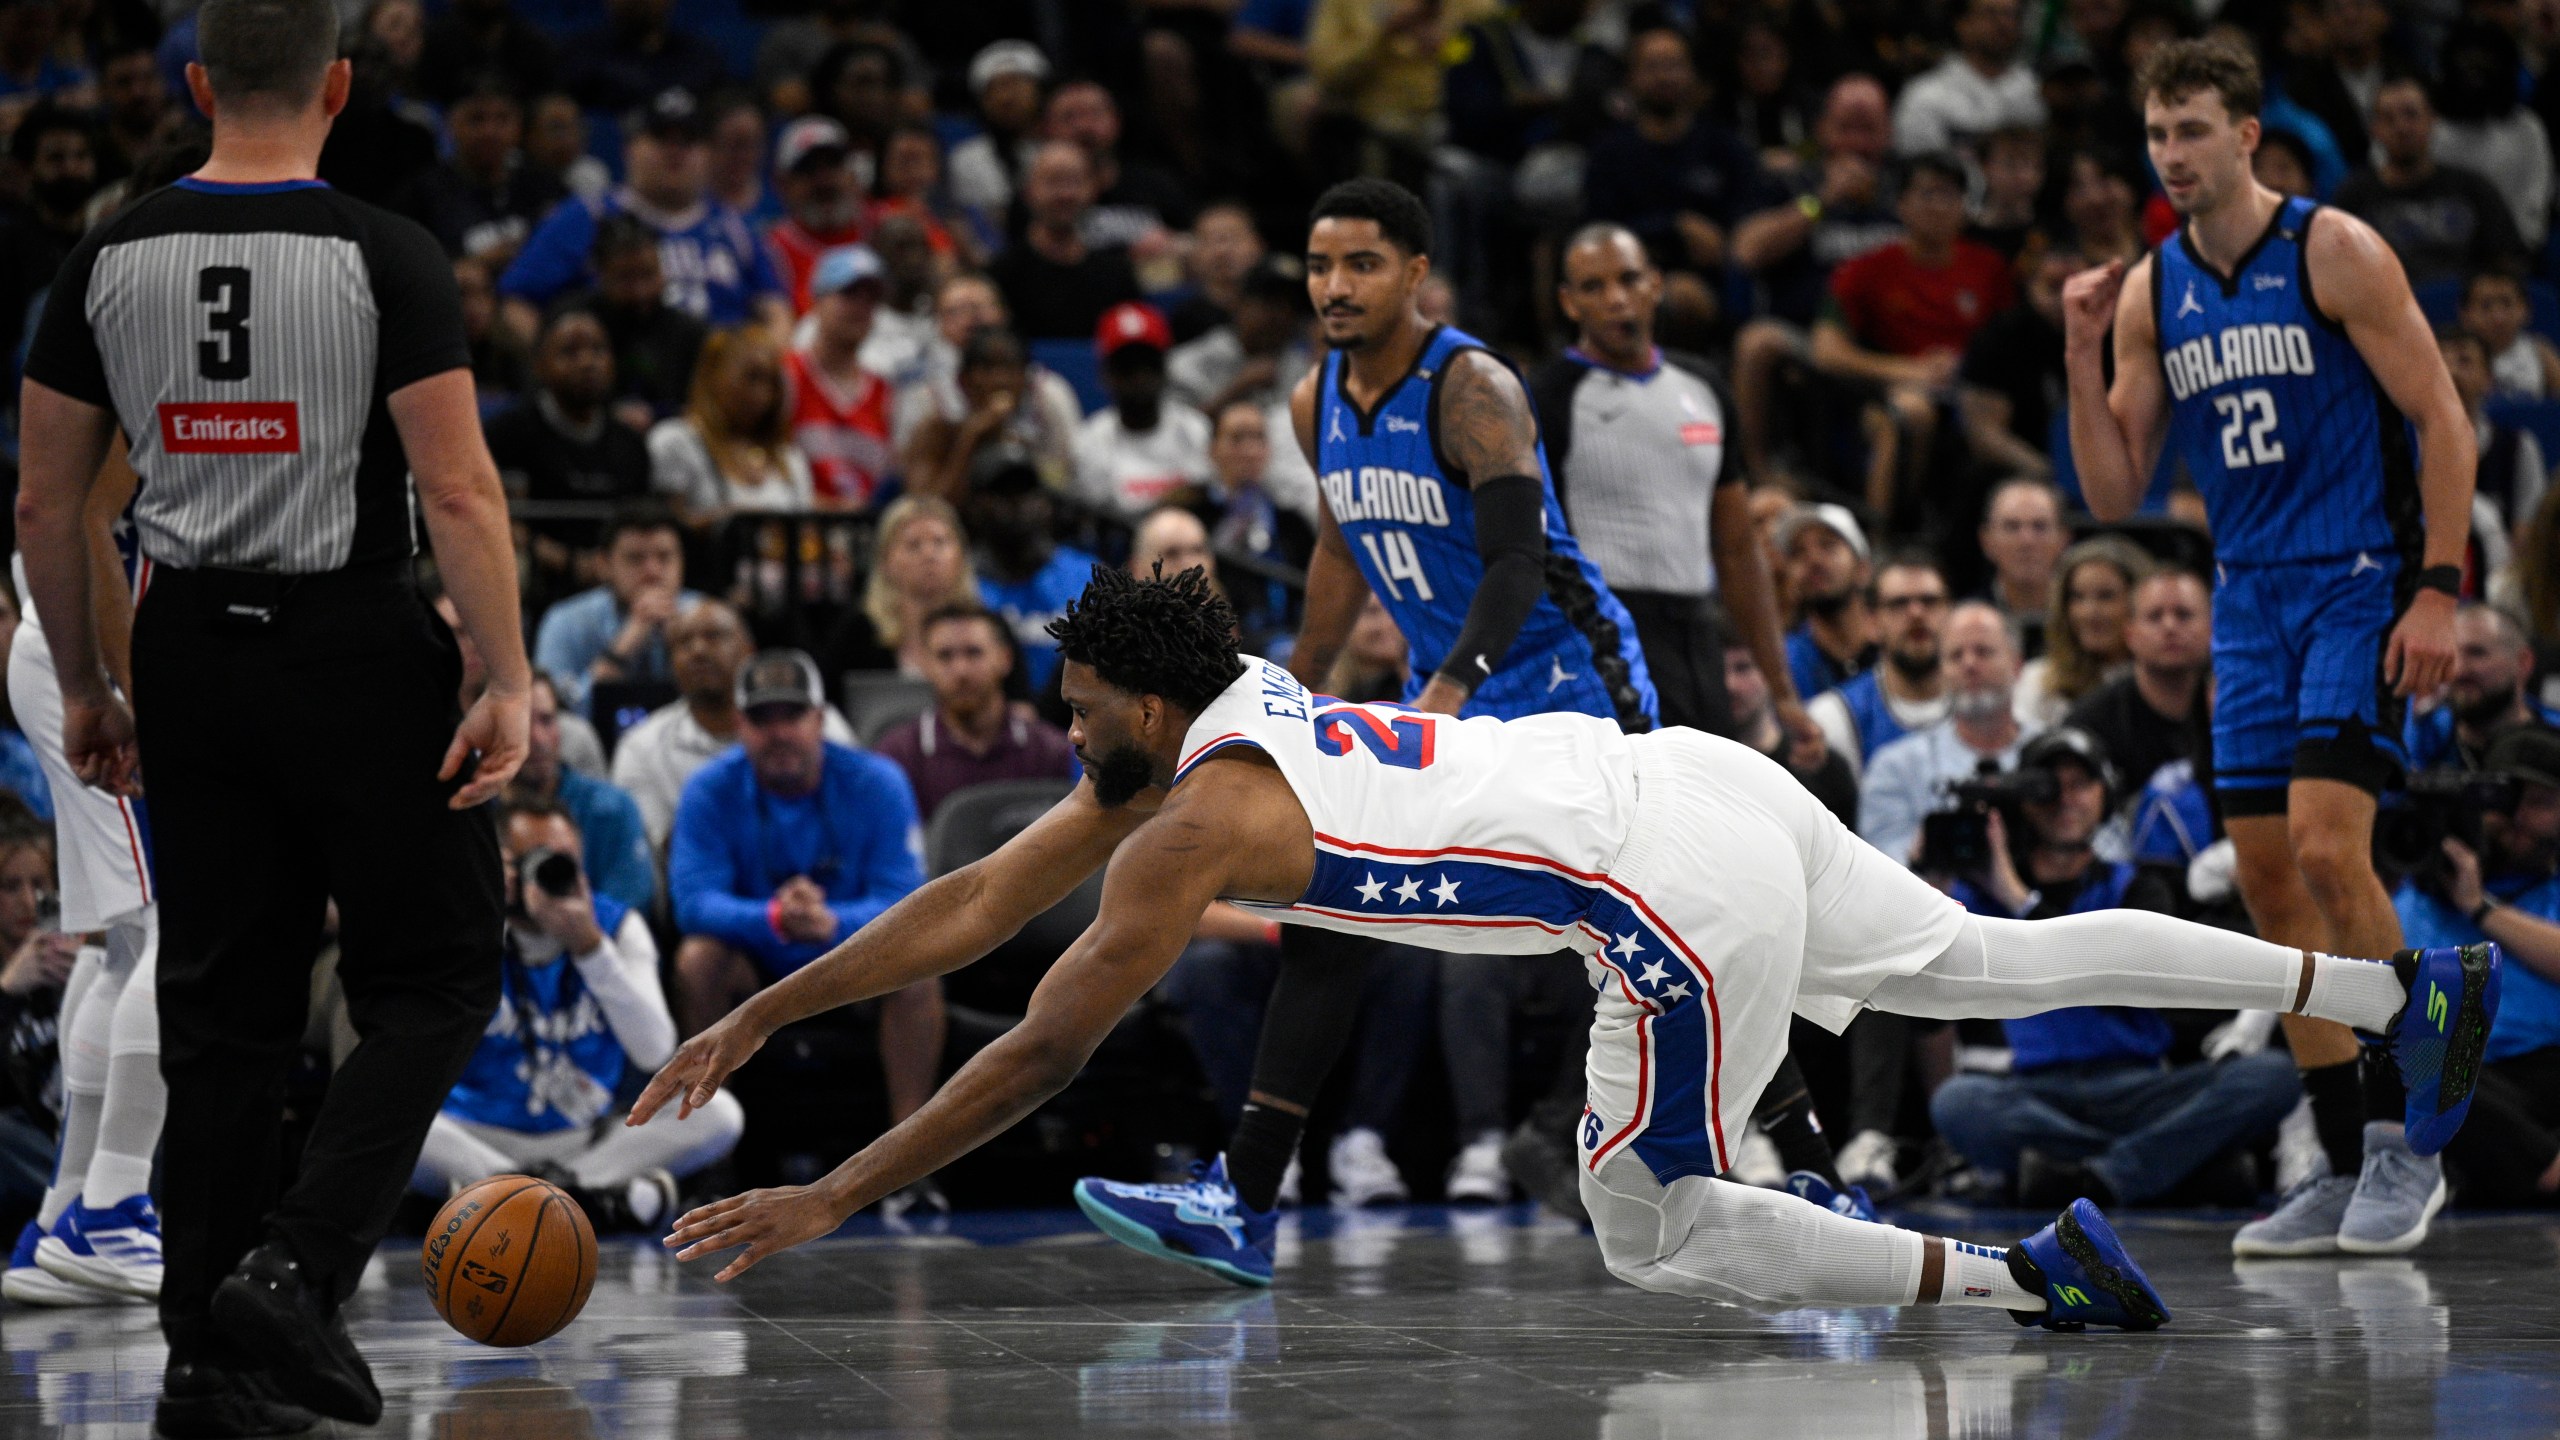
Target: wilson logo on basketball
[{"x": 232, "y": 427}]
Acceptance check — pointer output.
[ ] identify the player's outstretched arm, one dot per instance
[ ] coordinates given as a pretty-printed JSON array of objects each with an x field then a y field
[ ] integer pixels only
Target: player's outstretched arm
[
  {"x": 949, "y": 922},
  {"x": 2357, "y": 281},
  {"x": 1151, "y": 898},
  {"x": 1335, "y": 587},
  {"x": 2116, "y": 432}
]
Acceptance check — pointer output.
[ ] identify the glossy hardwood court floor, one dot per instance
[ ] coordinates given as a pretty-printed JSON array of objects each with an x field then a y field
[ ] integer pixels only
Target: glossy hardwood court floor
[{"x": 1421, "y": 1323}]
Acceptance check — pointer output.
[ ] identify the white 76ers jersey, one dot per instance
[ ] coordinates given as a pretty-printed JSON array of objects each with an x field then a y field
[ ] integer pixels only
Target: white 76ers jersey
[{"x": 1479, "y": 835}]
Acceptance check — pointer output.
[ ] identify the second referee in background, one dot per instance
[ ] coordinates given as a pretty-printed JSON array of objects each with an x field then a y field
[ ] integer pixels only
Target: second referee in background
[{"x": 285, "y": 362}]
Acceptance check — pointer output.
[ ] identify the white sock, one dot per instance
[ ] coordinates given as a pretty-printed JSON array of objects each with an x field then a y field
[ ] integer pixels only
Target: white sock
[
  {"x": 1979, "y": 1275},
  {"x": 71, "y": 1165},
  {"x": 114, "y": 1179},
  {"x": 2364, "y": 994}
]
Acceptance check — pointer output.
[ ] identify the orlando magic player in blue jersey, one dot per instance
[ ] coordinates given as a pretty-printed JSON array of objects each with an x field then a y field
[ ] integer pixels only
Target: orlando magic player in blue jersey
[
  {"x": 2276, "y": 343},
  {"x": 1434, "y": 496}
]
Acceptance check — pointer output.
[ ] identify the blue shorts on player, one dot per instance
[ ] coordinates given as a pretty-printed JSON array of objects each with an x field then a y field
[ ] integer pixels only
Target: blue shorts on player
[{"x": 2299, "y": 691}]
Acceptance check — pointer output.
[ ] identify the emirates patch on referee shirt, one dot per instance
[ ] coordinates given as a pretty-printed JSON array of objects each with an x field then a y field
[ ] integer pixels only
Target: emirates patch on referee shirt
[
  {"x": 1696, "y": 432},
  {"x": 231, "y": 427}
]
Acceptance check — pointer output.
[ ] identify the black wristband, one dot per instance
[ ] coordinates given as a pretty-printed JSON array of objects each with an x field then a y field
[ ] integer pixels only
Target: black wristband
[
  {"x": 2447, "y": 578},
  {"x": 2480, "y": 912}
]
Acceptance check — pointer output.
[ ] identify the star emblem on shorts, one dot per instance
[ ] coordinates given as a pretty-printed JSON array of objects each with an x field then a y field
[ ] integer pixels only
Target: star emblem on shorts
[
  {"x": 1446, "y": 891},
  {"x": 1654, "y": 974},
  {"x": 1411, "y": 890},
  {"x": 1370, "y": 888},
  {"x": 1677, "y": 992},
  {"x": 1627, "y": 947}
]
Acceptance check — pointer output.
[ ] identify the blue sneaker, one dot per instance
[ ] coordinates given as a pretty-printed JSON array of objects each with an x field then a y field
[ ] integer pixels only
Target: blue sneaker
[
  {"x": 2086, "y": 1278},
  {"x": 26, "y": 1282},
  {"x": 2438, "y": 1035},
  {"x": 1805, "y": 1185},
  {"x": 115, "y": 1250},
  {"x": 1201, "y": 1223}
]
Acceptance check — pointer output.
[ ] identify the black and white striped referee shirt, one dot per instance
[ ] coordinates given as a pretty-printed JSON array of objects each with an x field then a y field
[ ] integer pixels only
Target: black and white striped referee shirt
[
  {"x": 1636, "y": 461},
  {"x": 246, "y": 338}
]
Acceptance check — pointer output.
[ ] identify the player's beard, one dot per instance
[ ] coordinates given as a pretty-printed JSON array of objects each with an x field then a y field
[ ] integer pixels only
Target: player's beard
[{"x": 1120, "y": 775}]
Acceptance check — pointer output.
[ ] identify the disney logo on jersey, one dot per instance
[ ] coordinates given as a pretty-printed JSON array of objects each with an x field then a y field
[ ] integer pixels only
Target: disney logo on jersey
[
  {"x": 1398, "y": 425},
  {"x": 2238, "y": 352},
  {"x": 231, "y": 427},
  {"x": 1374, "y": 492}
]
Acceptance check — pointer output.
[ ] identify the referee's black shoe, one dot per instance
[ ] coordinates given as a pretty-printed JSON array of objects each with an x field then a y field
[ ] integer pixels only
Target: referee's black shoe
[
  {"x": 271, "y": 1310},
  {"x": 203, "y": 1400}
]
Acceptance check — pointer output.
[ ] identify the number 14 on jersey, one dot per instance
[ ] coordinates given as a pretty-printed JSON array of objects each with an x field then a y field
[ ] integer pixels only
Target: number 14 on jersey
[{"x": 1392, "y": 554}]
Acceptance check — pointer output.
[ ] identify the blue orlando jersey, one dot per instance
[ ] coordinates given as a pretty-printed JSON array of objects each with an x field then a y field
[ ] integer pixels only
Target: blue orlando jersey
[
  {"x": 1411, "y": 525},
  {"x": 715, "y": 267},
  {"x": 549, "y": 1060},
  {"x": 2297, "y": 451}
]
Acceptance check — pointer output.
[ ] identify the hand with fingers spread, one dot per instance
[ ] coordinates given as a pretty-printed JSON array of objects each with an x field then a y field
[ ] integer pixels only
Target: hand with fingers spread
[
  {"x": 761, "y": 1223},
  {"x": 693, "y": 1074}
]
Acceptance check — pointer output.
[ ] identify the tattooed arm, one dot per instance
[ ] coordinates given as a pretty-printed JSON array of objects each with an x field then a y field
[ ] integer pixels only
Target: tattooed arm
[{"x": 1489, "y": 438}]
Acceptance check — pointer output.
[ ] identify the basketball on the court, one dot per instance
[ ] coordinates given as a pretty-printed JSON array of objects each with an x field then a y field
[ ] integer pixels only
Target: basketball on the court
[{"x": 509, "y": 1261}]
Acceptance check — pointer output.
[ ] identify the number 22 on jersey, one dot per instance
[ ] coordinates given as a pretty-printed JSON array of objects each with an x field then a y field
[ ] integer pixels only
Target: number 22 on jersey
[
  {"x": 1402, "y": 740},
  {"x": 2248, "y": 429}
]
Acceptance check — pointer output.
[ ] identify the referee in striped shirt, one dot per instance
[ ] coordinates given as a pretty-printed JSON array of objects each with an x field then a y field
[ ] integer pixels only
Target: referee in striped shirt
[{"x": 286, "y": 364}]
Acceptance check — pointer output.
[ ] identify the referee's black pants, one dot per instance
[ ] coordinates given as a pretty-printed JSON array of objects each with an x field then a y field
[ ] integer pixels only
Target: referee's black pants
[
  {"x": 290, "y": 763},
  {"x": 1685, "y": 651}
]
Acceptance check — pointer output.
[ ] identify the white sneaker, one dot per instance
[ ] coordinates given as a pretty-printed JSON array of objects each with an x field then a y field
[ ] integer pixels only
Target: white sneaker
[
  {"x": 2395, "y": 1198},
  {"x": 1477, "y": 1176},
  {"x": 116, "y": 1249},
  {"x": 1362, "y": 1173},
  {"x": 1287, "y": 1199},
  {"x": 27, "y": 1283},
  {"x": 1759, "y": 1164},
  {"x": 1868, "y": 1159}
]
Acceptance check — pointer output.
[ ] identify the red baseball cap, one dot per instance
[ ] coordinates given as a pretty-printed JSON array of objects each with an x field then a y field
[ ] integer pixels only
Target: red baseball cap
[{"x": 1131, "y": 323}]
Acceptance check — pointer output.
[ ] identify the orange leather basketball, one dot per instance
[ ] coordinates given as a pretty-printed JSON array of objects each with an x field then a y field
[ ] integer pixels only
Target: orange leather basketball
[{"x": 509, "y": 1261}]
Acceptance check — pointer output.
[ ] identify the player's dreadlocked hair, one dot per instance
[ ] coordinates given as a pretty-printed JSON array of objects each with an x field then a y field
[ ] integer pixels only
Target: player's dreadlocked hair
[{"x": 1169, "y": 636}]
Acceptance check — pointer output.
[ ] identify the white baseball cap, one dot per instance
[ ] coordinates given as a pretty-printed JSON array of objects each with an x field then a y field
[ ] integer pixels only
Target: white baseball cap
[{"x": 1834, "y": 518}]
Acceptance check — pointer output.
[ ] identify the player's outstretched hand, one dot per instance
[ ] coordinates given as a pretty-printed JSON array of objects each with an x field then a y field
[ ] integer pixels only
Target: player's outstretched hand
[
  {"x": 495, "y": 726},
  {"x": 693, "y": 1074},
  {"x": 2089, "y": 302},
  {"x": 2420, "y": 656},
  {"x": 97, "y": 740},
  {"x": 765, "y": 1222}
]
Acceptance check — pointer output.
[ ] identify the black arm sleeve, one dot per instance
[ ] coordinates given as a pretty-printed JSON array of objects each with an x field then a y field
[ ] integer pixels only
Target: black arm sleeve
[
  {"x": 419, "y": 304},
  {"x": 1511, "y": 535}
]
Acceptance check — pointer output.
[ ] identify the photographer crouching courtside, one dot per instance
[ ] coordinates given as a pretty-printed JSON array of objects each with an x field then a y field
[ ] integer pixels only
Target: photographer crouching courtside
[{"x": 287, "y": 364}]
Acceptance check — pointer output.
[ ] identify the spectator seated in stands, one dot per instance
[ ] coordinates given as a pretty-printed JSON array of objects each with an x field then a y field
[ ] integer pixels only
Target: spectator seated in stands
[
  {"x": 1005, "y": 402},
  {"x": 1005, "y": 78},
  {"x": 1258, "y": 353},
  {"x": 655, "y": 345},
  {"x": 1225, "y": 248},
  {"x": 719, "y": 273},
  {"x": 2022, "y": 536},
  {"x": 1900, "y": 317},
  {"x": 608, "y": 821},
  {"x": 1907, "y": 779},
  {"x": 2011, "y": 160},
  {"x": 973, "y": 734},
  {"x": 562, "y": 444},
  {"x": 2444, "y": 221},
  {"x": 637, "y": 54},
  {"x": 2523, "y": 365},
  {"x": 1136, "y": 204},
  {"x": 2510, "y": 477},
  {"x": 2509, "y": 892},
  {"x": 2148, "y": 717},
  {"x": 1142, "y": 449},
  {"x": 783, "y": 847},
  {"x": 1908, "y": 691},
  {"x": 1024, "y": 575},
  {"x": 2087, "y": 614},
  {"x": 839, "y": 406},
  {"x": 617, "y": 631},
  {"x": 709, "y": 645},
  {"x": 911, "y": 270},
  {"x": 580, "y": 1020},
  {"x": 2012, "y": 384},
  {"x": 1675, "y": 176},
  {"x": 483, "y": 201},
  {"x": 1986, "y": 85},
  {"x": 1058, "y": 283},
  {"x": 38, "y": 964},
  {"x": 731, "y": 451},
  {"x": 2091, "y": 1106},
  {"x": 2492, "y": 666},
  {"x": 1823, "y": 565},
  {"x": 821, "y": 201}
]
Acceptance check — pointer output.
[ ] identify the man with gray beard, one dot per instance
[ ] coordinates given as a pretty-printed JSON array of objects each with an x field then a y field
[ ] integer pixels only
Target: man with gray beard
[{"x": 1905, "y": 780}]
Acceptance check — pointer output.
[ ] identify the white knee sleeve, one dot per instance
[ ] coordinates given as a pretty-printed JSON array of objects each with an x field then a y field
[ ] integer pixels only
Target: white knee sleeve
[
  {"x": 136, "y": 1026},
  {"x": 2005, "y": 969},
  {"x": 86, "y": 1024},
  {"x": 1739, "y": 1243}
]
